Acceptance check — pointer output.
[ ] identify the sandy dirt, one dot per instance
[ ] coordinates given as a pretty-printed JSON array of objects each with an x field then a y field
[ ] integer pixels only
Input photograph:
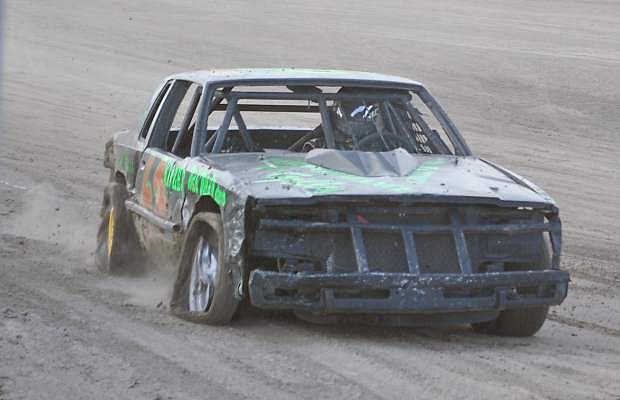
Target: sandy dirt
[{"x": 533, "y": 85}]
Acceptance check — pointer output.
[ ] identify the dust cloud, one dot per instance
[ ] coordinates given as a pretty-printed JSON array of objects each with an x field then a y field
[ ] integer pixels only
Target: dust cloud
[
  {"x": 152, "y": 289},
  {"x": 45, "y": 214}
]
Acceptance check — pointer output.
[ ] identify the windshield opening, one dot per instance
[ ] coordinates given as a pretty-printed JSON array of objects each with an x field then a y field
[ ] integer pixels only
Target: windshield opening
[{"x": 304, "y": 118}]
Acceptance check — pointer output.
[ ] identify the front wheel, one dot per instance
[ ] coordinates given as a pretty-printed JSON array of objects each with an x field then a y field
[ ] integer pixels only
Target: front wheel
[
  {"x": 519, "y": 322},
  {"x": 204, "y": 290}
]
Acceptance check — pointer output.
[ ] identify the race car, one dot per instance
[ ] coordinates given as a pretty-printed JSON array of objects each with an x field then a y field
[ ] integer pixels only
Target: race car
[{"x": 338, "y": 195}]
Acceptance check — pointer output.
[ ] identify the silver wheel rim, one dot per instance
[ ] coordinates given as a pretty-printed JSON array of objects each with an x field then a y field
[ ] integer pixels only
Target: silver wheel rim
[{"x": 202, "y": 280}]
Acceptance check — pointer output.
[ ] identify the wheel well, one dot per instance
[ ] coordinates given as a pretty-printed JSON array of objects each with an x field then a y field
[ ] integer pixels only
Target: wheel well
[
  {"x": 120, "y": 178},
  {"x": 206, "y": 204}
]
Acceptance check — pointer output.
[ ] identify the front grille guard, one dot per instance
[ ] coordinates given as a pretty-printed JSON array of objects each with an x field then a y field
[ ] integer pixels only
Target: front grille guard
[
  {"x": 457, "y": 228},
  {"x": 410, "y": 292}
]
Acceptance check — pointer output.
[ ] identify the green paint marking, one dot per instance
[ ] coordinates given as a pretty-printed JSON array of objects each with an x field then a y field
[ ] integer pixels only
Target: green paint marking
[
  {"x": 309, "y": 177},
  {"x": 174, "y": 177},
  {"x": 319, "y": 180},
  {"x": 425, "y": 171},
  {"x": 206, "y": 185},
  {"x": 197, "y": 182},
  {"x": 193, "y": 183},
  {"x": 126, "y": 163}
]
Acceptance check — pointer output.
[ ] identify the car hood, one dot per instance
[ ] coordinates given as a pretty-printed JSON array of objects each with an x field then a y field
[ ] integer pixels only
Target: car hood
[{"x": 285, "y": 175}]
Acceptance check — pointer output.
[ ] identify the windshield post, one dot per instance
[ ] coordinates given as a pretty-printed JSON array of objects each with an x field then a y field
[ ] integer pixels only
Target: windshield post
[{"x": 460, "y": 146}]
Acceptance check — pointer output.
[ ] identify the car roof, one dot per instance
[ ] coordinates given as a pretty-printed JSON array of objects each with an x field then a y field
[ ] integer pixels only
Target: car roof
[{"x": 298, "y": 76}]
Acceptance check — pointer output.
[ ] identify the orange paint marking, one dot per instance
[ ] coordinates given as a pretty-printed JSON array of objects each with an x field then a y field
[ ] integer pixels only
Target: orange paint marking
[{"x": 161, "y": 194}]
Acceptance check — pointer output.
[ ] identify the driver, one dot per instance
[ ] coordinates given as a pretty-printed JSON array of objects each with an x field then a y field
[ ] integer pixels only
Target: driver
[
  {"x": 353, "y": 119},
  {"x": 358, "y": 124}
]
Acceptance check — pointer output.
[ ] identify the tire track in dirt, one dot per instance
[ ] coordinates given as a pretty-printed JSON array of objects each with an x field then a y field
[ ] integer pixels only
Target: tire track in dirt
[
  {"x": 237, "y": 372},
  {"x": 77, "y": 71},
  {"x": 276, "y": 357},
  {"x": 584, "y": 324}
]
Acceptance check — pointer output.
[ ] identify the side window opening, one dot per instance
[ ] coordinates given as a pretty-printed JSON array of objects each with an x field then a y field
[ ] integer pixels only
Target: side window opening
[
  {"x": 179, "y": 141},
  {"x": 147, "y": 126},
  {"x": 174, "y": 125}
]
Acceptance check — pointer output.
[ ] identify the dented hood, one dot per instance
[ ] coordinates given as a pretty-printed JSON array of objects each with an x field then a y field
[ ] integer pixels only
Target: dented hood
[{"x": 285, "y": 175}]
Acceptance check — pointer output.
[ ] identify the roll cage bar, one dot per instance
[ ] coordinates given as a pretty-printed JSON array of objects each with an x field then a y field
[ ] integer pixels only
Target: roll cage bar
[{"x": 202, "y": 142}]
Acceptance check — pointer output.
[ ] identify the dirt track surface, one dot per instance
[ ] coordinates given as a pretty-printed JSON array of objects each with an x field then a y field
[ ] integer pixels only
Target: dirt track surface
[{"x": 533, "y": 85}]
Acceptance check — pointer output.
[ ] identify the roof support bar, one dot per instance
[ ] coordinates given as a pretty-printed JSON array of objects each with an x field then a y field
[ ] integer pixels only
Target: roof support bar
[
  {"x": 317, "y": 97},
  {"x": 292, "y": 108},
  {"x": 245, "y": 135},
  {"x": 327, "y": 125},
  {"x": 221, "y": 132}
]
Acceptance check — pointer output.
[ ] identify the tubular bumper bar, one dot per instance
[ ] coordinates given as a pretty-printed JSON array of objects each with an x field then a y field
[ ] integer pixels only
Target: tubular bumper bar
[{"x": 406, "y": 293}]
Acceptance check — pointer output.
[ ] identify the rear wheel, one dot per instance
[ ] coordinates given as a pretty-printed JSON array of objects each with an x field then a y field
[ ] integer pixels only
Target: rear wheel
[
  {"x": 518, "y": 322},
  {"x": 204, "y": 290},
  {"x": 117, "y": 249}
]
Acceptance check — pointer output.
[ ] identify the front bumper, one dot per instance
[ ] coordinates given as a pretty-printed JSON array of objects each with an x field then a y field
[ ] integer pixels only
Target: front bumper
[{"x": 406, "y": 293}]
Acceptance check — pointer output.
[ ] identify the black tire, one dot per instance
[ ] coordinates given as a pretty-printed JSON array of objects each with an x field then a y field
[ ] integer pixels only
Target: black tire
[
  {"x": 118, "y": 249},
  {"x": 518, "y": 322},
  {"x": 205, "y": 230}
]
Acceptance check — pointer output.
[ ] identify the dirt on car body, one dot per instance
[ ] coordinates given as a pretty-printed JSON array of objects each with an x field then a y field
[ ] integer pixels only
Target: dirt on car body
[{"x": 364, "y": 202}]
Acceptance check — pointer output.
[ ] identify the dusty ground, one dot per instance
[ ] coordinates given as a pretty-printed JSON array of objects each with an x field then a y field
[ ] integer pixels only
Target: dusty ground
[{"x": 533, "y": 85}]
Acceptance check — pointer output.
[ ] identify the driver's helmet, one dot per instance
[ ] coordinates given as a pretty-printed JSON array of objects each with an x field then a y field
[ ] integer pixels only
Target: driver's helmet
[{"x": 354, "y": 117}]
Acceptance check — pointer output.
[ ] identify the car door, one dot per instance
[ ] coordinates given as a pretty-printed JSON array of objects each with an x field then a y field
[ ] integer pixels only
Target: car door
[{"x": 160, "y": 179}]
